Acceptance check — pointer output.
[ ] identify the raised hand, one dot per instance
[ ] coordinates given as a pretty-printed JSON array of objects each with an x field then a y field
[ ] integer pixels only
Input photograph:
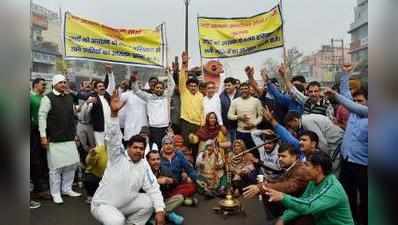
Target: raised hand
[
  {"x": 249, "y": 70},
  {"x": 108, "y": 68},
  {"x": 116, "y": 103},
  {"x": 264, "y": 75},
  {"x": 185, "y": 58},
  {"x": 267, "y": 114},
  {"x": 282, "y": 70},
  {"x": 134, "y": 77},
  {"x": 347, "y": 68},
  {"x": 330, "y": 92}
]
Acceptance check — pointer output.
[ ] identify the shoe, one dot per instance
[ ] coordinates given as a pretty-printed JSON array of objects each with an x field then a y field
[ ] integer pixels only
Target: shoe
[
  {"x": 175, "y": 218},
  {"x": 34, "y": 204},
  {"x": 72, "y": 194},
  {"x": 57, "y": 199},
  {"x": 88, "y": 199}
]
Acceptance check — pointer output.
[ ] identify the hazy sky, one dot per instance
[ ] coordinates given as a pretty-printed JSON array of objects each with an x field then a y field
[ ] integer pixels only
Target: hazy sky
[{"x": 308, "y": 23}]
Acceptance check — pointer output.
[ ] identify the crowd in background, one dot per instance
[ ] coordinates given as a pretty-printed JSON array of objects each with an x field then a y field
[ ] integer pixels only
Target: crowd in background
[{"x": 307, "y": 143}]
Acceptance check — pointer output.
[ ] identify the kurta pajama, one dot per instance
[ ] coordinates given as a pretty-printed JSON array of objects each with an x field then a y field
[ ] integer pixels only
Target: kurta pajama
[
  {"x": 62, "y": 157},
  {"x": 118, "y": 199}
]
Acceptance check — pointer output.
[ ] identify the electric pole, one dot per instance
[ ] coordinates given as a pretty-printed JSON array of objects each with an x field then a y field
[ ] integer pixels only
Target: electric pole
[{"x": 186, "y": 24}]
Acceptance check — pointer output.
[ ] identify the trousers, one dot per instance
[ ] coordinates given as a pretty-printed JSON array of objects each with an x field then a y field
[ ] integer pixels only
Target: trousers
[
  {"x": 61, "y": 179},
  {"x": 38, "y": 162},
  {"x": 354, "y": 178},
  {"x": 85, "y": 133},
  {"x": 136, "y": 212},
  {"x": 99, "y": 138},
  {"x": 156, "y": 135}
]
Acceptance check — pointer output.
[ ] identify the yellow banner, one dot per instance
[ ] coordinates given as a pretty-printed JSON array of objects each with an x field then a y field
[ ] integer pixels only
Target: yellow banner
[
  {"x": 232, "y": 37},
  {"x": 85, "y": 39}
]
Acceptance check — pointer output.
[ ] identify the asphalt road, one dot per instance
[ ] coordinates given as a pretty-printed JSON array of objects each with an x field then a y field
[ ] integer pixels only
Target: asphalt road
[{"x": 76, "y": 212}]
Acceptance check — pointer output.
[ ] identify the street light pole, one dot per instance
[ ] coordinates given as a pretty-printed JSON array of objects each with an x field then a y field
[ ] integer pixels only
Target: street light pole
[{"x": 186, "y": 24}]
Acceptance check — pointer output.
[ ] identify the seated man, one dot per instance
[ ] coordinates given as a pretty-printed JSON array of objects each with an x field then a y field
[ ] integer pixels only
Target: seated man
[
  {"x": 293, "y": 181},
  {"x": 324, "y": 197},
  {"x": 118, "y": 200},
  {"x": 181, "y": 169},
  {"x": 308, "y": 143},
  {"x": 167, "y": 182},
  {"x": 268, "y": 163}
]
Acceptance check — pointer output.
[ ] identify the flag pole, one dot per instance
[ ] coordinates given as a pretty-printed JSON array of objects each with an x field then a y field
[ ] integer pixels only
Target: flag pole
[
  {"x": 200, "y": 52},
  {"x": 284, "y": 53},
  {"x": 166, "y": 44},
  {"x": 162, "y": 41}
]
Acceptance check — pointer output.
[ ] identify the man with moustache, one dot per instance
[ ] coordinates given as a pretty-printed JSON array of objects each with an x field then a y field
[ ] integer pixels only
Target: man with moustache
[
  {"x": 118, "y": 199},
  {"x": 292, "y": 181}
]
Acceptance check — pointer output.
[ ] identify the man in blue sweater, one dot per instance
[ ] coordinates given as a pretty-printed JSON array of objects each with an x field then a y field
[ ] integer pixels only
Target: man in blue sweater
[
  {"x": 354, "y": 149},
  {"x": 307, "y": 144}
]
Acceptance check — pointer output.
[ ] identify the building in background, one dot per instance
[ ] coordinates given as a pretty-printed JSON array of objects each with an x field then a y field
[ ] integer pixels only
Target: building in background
[
  {"x": 324, "y": 64},
  {"x": 45, "y": 42},
  {"x": 359, "y": 37}
]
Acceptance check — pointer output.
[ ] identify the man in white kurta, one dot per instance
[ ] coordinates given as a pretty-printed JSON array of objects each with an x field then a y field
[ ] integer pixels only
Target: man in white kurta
[
  {"x": 57, "y": 136},
  {"x": 135, "y": 114},
  {"x": 118, "y": 200}
]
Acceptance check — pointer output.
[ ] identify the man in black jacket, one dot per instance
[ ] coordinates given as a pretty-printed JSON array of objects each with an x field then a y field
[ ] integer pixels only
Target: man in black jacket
[
  {"x": 99, "y": 105},
  {"x": 230, "y": 93}
]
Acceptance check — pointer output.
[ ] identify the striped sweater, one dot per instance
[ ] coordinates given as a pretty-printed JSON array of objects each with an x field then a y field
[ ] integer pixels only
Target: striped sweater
[{"x": 327, "y": 202}]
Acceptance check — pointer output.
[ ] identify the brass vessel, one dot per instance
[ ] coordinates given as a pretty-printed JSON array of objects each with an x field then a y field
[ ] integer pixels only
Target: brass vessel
[{"x": 229, "y": 202}]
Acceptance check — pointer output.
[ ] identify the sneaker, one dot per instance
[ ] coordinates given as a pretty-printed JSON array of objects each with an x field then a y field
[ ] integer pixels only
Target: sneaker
[
  {"x": 175, "y": 218},
  {"x": 57, "y": 199},
  {"x": 72, "y": 194},
  {"x": 34, "y": 204}
]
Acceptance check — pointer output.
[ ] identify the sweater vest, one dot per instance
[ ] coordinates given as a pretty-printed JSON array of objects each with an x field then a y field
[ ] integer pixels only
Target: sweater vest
[{"x": 60, "y": 118}]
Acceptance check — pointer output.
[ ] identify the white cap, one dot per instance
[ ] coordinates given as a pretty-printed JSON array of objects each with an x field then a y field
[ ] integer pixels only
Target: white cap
[
  {"x": 58, "y": 78},
  {"x": 155, "y": 147}
]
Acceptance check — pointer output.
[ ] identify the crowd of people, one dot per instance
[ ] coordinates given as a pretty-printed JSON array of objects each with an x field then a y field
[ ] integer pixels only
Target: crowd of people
[{"x": 138, "y": 152}]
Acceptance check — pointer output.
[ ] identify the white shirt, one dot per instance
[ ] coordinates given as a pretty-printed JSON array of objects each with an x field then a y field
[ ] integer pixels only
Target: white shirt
[
  {"x": 158, "y": 107},
  {"x": 123, "y": 179},
  {"x": 106, "y": 109},
  {"x": 212, "y": 105},
  {"x": 136, "y": 116}
]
